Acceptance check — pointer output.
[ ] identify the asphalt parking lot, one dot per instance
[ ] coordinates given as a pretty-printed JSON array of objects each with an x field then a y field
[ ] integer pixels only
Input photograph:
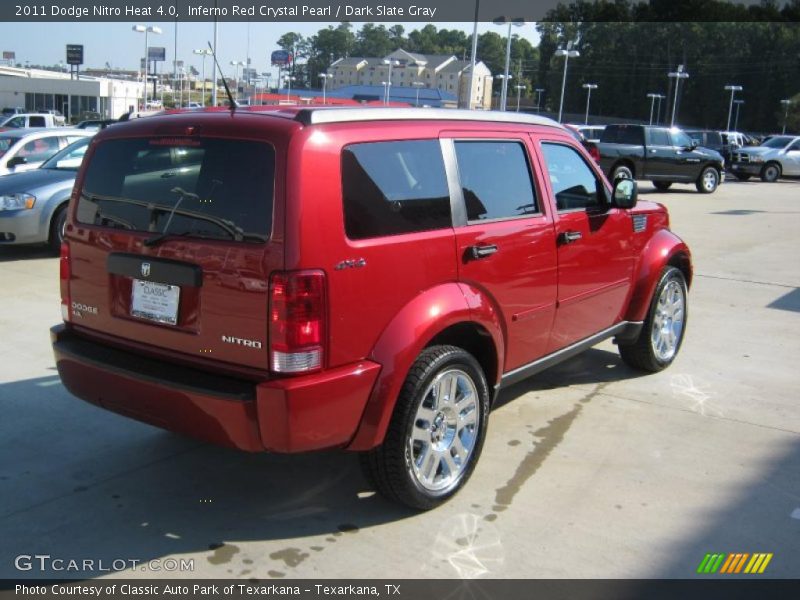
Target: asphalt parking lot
[{"x": 589, "y": 469}]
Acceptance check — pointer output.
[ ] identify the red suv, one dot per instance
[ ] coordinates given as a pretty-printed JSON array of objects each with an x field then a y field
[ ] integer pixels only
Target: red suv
[{"x": 368, "y": 279}]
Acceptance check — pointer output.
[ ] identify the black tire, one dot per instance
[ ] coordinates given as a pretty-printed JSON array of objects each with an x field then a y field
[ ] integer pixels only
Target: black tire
[
  {"x": 642, "y": 353},
  {"x": 742, "y": 176},
  {"x": 771, "y": 172},
  {"x": 391, "y": 467},
  {"x": 621, "y": 172},
  {"x": 662, "y": 186},
  {"x": 57, "y": 224},
  {"x": 708, "y": 182}
]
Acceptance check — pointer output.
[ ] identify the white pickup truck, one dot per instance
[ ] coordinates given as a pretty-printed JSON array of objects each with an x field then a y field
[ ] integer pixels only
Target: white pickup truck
[{"x": 26, "y": 120}]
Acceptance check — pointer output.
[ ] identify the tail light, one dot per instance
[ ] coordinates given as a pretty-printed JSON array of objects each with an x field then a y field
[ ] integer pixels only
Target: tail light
[
  {"x": 594, "y": 152},
  {"x": 65, "y": 273},
  {"x": 297, "y": 319}
]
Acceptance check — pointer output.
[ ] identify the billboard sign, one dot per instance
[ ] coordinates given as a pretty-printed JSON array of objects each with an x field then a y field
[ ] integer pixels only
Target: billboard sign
[
  {"x": 281, "y": 58},
  {"x": 156, "y": 54},
  {"x": 9, "y": 55},
  {"x": 74, "y": 54}
]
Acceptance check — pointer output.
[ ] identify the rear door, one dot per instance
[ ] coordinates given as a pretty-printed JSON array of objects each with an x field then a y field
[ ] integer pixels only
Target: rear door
[
  {"x": 172, "y": 245},
  {"x": 595, "y": 260},
  {"x": 505, "y": 241},
  {"x": 791, "y": 164}
]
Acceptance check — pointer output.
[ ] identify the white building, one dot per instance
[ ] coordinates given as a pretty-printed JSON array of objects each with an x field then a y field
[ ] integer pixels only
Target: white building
[
  {"x": 35, "y": 89},
  {"x": 445, "y": 72}
]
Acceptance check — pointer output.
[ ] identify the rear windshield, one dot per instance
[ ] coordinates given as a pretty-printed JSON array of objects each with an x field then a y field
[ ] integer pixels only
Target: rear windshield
[
  {"x": 199, "y": 187},
  {"x": 623, "y": 134}
]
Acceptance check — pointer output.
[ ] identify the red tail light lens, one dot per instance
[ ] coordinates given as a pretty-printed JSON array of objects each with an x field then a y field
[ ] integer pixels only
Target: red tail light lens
[
  {"x": 65, "y": 273},
  {"x": 594, "y": 153},
  {"x": 297, "y": 315}
]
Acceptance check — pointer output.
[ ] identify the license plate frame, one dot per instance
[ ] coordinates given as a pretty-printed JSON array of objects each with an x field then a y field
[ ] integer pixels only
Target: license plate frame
[{"x": 156, "y": 302}]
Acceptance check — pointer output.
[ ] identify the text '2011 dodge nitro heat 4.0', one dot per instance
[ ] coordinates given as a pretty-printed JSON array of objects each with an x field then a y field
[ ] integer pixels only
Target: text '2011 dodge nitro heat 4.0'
[{"x": 293, "y": 279}]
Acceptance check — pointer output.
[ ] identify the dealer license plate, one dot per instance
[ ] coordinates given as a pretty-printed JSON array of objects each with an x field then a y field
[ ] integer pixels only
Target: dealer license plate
[{"x": 155, "y": 301}]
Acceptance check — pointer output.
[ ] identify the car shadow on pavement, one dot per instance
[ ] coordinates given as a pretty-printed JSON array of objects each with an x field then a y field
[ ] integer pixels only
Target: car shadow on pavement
[
  {"x": 78, "y": 482},
  {"x": 12, "y": 253}
]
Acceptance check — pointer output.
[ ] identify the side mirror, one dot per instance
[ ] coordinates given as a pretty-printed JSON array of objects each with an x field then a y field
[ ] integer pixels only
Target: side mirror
[
  {"x": 16, "y": 161},
  {"x": 625, "y": 193}
]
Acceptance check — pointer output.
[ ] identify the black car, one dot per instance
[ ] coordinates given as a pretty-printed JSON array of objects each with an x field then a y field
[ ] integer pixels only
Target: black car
[{"x": 713, "y": 140}]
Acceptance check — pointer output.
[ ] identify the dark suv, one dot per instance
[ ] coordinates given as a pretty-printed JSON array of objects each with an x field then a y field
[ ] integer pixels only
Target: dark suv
[{"x": 294, "y": 279}]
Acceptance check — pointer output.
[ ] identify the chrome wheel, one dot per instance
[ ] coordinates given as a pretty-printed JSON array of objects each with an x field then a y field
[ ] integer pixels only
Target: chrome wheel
[
  {"x": 444, "y": 431},
  {"x": 710, "y": 180},
  {"x": 668, "y": 320}
]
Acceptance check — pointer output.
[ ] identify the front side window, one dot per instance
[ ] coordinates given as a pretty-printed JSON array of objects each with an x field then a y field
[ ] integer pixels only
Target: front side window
[
  {"x": 38, "y": 150},
  {"x": 495, "y": 179},
  {"x": 218, "y": 188},
  {"x": 574, "y": 184},
  {"x": 680, "y": 139},
  {"x": 660, "y": 137},
  {"x": 390, "y": 188}
]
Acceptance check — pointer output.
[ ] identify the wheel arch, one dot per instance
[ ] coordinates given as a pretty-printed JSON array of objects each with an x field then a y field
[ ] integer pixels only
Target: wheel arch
[
  {"x": 446, "y": 314},
  {"x": 664, "y": 249}
]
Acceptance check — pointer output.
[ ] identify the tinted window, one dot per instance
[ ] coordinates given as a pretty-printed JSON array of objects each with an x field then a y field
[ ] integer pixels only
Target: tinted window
[
  {"x": 680, "y": 139},
  {"x": 794, "y": 147},
  {"x": 6, "y": 143},
  {"x": 39, "y": 150},
  {"x": 15, "y": 122},
  {"x": 389, "y": 188},
  {"x": 574, "y": 183},
  {"x": 69, "y": 158},
  {"x": 623, "y": 134},
  {"x": 36, "y": 122},
  {"x": 660, "y": 137},
  {"x": 219, "y": 188},
  {"x": 777, "y": 142},
  {"x": 495, "y": 180}
]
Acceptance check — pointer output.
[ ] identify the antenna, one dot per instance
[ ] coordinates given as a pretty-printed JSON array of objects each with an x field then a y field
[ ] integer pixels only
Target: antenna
[{"x": 231, "y": 101}]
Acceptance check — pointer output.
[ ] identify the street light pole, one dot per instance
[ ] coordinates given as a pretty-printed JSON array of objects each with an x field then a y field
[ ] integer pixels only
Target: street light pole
[
  {"x": 236, "y": 64},
  {"x": 677, "y": 75},
  {"x": 202, "y": 52},
  {"x": 145, "y": 30},
  {"x": 391, "y": 63},
  {"x": 732, "y": 89},
  {"x": 567, "y": 53},
  {"x": 738, "y": 104},
  {"x": 417, "y": 84},
  {"x": 588, "y": 87},
  {"x": 289, "y": 80},
  {"x": 506, "y": 77},
  {"x": 652, "y": 104},
  {"x": 539, "y": 92},
  {"x": 786, "y": 103},
  {"x": 520, "y": 87},
  {"x": 324, "y": 77}
]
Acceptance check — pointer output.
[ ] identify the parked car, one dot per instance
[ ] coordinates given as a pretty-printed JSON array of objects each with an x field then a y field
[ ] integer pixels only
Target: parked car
[
  {"x": 10, "y": 111},
  {"x": 713, "y": 140},
  {"x": 661, "y": 154},
  {"x": 778, "y": 156},
  {"x": 58, "y": 118},
  {"x": 30, "y": 120},
  {"x": 591, "y": 147},
  {"x": 95, "y": 124},
  {"x": 33, "y": 203},
  {"x": 26, "y": 149},
  {"x": 414, "y": 262},
  {"x": 592, "y": 133}
]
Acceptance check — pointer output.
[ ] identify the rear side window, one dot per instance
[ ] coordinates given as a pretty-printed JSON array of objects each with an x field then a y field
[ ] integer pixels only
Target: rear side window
[
  {"x": 218, "y": 188},
  {"x": 623, "y": 134},
  {"x": 389, "y": 188},
  {"x": 495, "y": 180},
  {"x": 36, "y": 122}
]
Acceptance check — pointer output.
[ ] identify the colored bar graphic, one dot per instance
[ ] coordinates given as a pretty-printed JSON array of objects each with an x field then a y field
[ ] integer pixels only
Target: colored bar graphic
[
  {"x": 734, "y": 563},
  {"x": 765, "y": 563},
  {"x": 727, "y": 564},
  {"x": 741, "y": 563},
  {"x": 754, "y": 562},
  {"x": 704, "y": 563}
]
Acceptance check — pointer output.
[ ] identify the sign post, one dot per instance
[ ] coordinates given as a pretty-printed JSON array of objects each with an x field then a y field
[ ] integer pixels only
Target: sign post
[{"x": 75, "y": 59}]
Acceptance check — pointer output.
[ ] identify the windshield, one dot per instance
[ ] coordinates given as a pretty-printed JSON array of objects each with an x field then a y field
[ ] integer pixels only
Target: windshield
[
  {"x": 778, "y": 142},
  {"x": 69, "y": 159},
  {"x": 218, "y": 188},
  {"x": 6, "y": 143}
]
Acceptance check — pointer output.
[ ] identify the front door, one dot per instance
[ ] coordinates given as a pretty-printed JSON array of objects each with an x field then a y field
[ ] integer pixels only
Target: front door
[{"x": 595, "y": 260}]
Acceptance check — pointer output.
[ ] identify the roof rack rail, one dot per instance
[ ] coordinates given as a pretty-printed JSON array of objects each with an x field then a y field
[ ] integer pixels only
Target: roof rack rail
[{"x": 339, "y": 114}]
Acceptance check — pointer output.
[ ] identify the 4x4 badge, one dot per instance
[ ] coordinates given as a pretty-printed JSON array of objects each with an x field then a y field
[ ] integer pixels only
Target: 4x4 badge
[
  {"x": 145, "y": 269},
  {"x": 351, "y": 264}
]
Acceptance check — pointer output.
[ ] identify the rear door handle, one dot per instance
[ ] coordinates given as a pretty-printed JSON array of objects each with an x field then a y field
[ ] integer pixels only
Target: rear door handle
[
  {"x": 568, "y": 237},
  {"x": 478, "y": 252}
]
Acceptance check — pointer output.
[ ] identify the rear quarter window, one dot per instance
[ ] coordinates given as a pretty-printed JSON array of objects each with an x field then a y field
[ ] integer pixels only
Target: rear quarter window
[
  {"x": 391, "y": 188},
  {"x": 623, "y": 134}
]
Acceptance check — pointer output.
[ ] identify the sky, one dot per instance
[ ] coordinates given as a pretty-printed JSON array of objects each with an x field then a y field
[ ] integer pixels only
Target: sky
[{"x": 117, "y": 44}]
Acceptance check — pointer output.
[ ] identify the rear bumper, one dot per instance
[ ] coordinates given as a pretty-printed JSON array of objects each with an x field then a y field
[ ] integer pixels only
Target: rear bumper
[{"x": 283, "y": 415}]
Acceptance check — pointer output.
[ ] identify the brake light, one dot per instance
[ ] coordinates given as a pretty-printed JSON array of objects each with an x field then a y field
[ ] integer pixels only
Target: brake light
[
  {"x": 297, "y": 315},
  {"x": 65, "y": 273},
  {"x": 594, "y": 152}
]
